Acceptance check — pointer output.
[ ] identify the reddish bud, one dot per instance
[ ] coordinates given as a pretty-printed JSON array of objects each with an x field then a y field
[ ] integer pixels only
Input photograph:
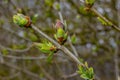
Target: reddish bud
[{"x": 59, "y": 24}]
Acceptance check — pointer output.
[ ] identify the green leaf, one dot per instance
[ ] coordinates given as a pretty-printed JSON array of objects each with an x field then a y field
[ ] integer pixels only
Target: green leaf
[
  {"x": 60, "y": 33},
  {"x": 86, "y": 64},
  {"x": 34, "y": 18},
  {"x": 1, "y": 22},
  {"x": 49, "y": 58},
  {"x": 84, "y": 76},
  {"x": 49, "y": 2},
  {"x": 102, "y": 21},
  {"x": 91, "y": 2},
  {"x": 91, "y": 70},
  {"x": 56, "y": 6},
  {"x": 33, "y": 37},
  {"x": 5, "y": 51},
  {"x": 20, "y": 20},
  {"x": 86, "y": 72},
  {"x": 55, "y": 36},
  {"x": 45, "y": 47},
  {"x": 73, "y": 39}
]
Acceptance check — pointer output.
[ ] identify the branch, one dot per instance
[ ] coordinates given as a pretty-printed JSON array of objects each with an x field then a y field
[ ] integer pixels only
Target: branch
[
  {"x": 1, "y": 58},
  {"x": 24, "y": 58},
  {"x": 70, "y": 75},
  {"x": 73, "y": 48},
  {"x": 63, "y": 48}
]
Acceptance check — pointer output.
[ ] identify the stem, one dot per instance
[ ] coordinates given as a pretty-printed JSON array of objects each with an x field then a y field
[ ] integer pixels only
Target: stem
[{"x": 73, "y": 48}]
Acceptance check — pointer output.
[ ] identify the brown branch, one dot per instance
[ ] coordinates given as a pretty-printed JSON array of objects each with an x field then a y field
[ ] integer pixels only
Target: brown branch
[{"x": 63, "y": 48}]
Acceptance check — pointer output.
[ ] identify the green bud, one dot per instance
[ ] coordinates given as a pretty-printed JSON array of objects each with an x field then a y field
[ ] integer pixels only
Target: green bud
[
  {"x": 90, "y": 2},
  {"x": 46, "y": 47},
  {"x": 21, "y": 20},
  {"x": 61, "y": 35}
]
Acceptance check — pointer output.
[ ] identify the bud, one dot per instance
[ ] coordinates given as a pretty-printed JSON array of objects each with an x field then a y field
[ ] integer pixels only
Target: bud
[
  {"x": 46, "y": 47},
  {"x": 61, "y": 35},
  {"x": 59, "y": 24},
  {"x": 89, "y": 4},
  {"x": 21, "y": 20}
]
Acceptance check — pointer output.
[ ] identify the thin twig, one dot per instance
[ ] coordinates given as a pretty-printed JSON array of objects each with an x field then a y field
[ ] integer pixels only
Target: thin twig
[
  {"x": 46, "y": 73},
  {"x": 82, "y": 1},
  {"x": 116, "y": 63},
  {"x": 73, "y": 48},
  {"x": 15, "y": 50},
  {"x": 11, "y": 76},
  {"x": 24, "y": 58},
  {"x": 116, "y": 49},
  {"x": 23, "y": 70},
  {"x": 70, "y": 75},
  {"x": 1, "y": 58}
]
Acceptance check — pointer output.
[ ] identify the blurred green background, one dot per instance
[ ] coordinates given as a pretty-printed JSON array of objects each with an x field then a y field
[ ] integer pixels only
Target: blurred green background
[{"x": 97, "y": 44}]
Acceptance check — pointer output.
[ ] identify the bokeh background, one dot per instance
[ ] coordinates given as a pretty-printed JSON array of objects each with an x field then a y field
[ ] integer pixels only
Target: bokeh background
[{"x": 97, "y": 44}]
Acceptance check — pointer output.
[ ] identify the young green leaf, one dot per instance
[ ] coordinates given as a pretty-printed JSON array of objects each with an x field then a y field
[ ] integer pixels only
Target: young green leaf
[
  {"x": 102, "y": 21},
  {"x": 90, "y": 2},
  {"x": 46, "y": 47},
  {"x": 21, "y": 20},
  {"x": 73, "y": 39},
  {"x": 33, "y": 37},
  {"x": 86, "y": 72},
  {"x": 61, "y": 35},
  {"x": 56, "y": 6},
  {"x": 49, "y": 58},
  {"x": 34, "y": 18}
]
